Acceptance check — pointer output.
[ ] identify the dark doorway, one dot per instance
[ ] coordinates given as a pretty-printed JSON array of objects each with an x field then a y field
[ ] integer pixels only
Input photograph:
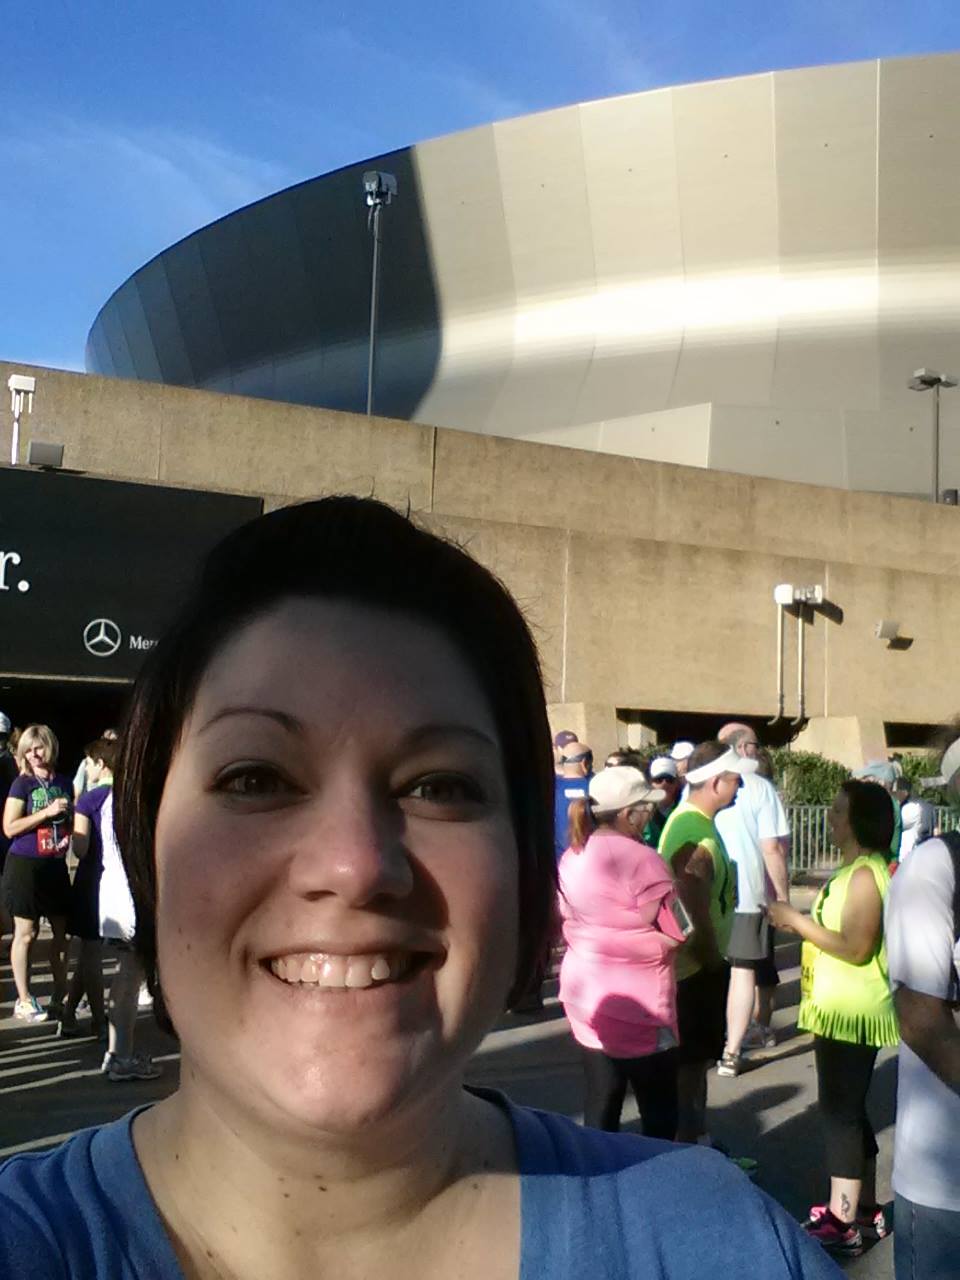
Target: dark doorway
[{"x": 76, "y": 711}]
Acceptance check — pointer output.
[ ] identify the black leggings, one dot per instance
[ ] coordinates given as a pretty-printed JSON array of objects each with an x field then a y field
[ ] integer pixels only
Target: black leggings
[
  {"x": 654, "y": 1083},
  {"x": 843, "y": 1078}
]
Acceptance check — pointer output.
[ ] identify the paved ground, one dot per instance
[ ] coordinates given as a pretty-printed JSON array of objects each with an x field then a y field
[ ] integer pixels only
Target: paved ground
[{"x": 49, "y": 1088}]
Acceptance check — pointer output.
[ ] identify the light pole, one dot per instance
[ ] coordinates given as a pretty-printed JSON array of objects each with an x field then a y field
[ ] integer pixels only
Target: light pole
[
  {"x": 21, "y": 387},
  {"x": 380, "y": 189},
  {"x": 925, "y": 380}
]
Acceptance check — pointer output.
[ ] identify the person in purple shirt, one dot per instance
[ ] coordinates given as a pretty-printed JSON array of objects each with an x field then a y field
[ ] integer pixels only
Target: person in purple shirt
[
  {"x": 37, "y": 820},
  {"x": 84, "y": 919},
  {"x": 340, "y": 880}
]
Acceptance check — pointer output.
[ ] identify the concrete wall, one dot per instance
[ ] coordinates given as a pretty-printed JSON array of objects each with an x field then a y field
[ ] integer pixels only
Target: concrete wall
[{"x": 648, "y": 585}]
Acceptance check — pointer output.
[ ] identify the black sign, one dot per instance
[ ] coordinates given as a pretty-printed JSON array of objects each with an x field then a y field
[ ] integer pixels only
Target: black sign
[{"x": 91, "y": 571}]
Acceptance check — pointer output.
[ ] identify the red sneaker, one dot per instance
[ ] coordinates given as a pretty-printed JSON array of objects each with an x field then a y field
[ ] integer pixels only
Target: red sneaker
[
  {"x": 843, "y": 1241},
  {"x": 874, "y": 1222}
]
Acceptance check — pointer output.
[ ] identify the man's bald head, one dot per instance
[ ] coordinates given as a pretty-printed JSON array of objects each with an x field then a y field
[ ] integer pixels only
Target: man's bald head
[{"x": 741, "y": 737}]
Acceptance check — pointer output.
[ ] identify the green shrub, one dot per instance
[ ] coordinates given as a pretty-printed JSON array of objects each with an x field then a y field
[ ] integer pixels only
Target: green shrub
[
  {"x": 923, "y": 764},
  {"x": 803, "y": 777}
]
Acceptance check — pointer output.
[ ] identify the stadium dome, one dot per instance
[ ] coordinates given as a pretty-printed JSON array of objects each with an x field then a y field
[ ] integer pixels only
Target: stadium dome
[{"x": 740, "y": 274}]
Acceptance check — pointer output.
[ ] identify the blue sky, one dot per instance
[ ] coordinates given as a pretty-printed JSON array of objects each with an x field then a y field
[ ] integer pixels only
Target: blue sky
[{"x": 128, "y": 124}]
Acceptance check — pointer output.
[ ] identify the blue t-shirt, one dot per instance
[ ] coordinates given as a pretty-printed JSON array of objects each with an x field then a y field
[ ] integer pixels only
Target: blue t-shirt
[
  {"x": 592, "y": 1204},
  {"x": 565, "y": 791}
]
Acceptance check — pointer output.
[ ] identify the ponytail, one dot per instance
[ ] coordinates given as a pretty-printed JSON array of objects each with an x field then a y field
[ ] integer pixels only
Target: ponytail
[{"x": 580, "y": 823}]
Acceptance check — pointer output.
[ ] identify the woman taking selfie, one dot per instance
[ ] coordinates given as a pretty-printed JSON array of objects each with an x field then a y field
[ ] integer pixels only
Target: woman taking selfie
[
  {"x": 617, "y": 984},
  {"x": 846, "y": 1002},
  {"x": 335, "y": 806}
]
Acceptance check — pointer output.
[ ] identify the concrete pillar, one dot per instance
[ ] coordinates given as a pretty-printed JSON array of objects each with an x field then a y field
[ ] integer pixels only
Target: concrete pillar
[
  {"x": 594, "y": 723},
  {"x": 851, "y": 740}
]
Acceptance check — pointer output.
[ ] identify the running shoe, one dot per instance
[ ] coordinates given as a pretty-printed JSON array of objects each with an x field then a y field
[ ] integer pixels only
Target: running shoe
[
  {"x": 842, "y": 1241},
  {"x": 729, "y": 1065},
  {"x": 758, "y": 1037},
  {"x": 29, "y": 1011},
  {"x": 67, "y": 1029},
  {"x": 138, "y": 1067},
  {"x": 875, "y": 1222}
]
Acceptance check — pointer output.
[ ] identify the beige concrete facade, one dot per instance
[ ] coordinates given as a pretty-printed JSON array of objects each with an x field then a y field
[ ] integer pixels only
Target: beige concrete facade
[{"x": 648, "y": 585}]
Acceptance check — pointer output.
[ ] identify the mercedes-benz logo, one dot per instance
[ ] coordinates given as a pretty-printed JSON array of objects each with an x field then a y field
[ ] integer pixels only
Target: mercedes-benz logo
[{"x": 101, "y": 637}]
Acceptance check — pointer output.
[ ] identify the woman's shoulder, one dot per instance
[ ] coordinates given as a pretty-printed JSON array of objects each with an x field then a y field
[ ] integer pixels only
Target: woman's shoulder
[
  {"x": 69, "y": 1212},
  {"x": 630, "y": 1200}
]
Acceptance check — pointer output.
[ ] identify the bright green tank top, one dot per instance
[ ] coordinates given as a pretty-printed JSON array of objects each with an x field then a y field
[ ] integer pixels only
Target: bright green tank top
[{"x": 840, "y": 1000}]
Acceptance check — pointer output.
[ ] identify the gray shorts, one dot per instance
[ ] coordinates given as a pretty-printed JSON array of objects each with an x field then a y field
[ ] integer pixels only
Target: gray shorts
[{"x": 749, "y": 939}]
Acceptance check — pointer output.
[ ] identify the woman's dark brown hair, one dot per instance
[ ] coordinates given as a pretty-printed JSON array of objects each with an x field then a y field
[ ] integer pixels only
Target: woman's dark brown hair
[{"x": 354, "y": 549}]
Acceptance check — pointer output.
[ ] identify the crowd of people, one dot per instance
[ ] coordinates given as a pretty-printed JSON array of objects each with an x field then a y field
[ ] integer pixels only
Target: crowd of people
[
  {"x": 338, "y": 816},
  {"x": 673, "y": 876},
  {"x": 49, "y": 820}
]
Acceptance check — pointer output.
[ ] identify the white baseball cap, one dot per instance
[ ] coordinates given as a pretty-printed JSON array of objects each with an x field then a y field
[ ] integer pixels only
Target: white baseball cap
[
  {"x": 729, "y": 762},
  {"x": 620, "y": 787},
  {"x": 662, "y": 767},
  {"x": 682, "y": 750},
  {"x": 5, "y": 724}
]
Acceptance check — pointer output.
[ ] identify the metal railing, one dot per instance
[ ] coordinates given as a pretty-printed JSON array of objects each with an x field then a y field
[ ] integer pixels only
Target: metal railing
[{"x": 810, "y": 846}]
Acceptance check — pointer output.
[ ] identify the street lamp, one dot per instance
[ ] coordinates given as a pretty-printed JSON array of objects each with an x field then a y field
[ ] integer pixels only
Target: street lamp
[
  {"x": 380, "y": 188},
  {"x": 924, "y": 380}
]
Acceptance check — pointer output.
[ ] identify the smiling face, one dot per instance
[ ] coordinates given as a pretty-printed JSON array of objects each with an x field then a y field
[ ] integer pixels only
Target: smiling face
[{"x": 336, "y": 869}]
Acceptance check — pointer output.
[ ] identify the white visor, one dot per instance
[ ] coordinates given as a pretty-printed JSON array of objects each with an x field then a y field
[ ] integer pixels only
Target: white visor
[{"x": 729, "y": 762}]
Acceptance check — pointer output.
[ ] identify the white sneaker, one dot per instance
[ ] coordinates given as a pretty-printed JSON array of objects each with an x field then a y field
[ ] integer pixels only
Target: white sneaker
[{"x": 29, "y": 1011}]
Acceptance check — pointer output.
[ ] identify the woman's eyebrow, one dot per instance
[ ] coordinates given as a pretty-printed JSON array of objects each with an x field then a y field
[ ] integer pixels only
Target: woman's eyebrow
[
  {"x": 283, "y": 718},
  {"x": 423, "y": 733}
]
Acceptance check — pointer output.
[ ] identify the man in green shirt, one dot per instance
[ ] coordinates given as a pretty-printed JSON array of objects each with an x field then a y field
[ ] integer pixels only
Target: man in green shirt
[{"x": 706, "y": 884}]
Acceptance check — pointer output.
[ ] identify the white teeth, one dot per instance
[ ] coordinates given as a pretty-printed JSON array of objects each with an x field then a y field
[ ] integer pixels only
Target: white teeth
[
  {"x": 358, "y": 973},
  {"x": 341, "y": 972}
]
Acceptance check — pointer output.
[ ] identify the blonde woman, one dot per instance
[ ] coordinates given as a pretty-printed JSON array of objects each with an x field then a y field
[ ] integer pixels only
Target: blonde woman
[{"x": 37, "y": 820}]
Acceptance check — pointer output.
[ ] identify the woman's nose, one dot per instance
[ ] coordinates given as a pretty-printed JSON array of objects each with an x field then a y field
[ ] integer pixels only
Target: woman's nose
[{"x": 352, "y": 848}]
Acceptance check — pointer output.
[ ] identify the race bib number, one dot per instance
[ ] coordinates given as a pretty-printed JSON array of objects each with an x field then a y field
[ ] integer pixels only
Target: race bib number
[{"x": 47, "y": 842}]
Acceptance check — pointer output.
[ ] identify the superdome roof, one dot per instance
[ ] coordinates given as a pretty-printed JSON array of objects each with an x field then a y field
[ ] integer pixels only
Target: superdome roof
[{"x": 740, "y": 274}]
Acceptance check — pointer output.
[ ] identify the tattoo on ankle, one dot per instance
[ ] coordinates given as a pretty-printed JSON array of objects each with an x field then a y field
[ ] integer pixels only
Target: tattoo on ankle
[{"x": 844, "y": 1205}]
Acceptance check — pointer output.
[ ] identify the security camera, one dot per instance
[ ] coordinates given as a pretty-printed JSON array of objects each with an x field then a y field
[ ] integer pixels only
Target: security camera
[
  {"x": 886, "y": 629},
  {"x": 22, "y": 383}
]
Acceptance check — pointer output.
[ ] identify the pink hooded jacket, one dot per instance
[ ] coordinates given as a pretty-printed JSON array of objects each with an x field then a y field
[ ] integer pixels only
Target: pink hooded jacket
[{"x": 617, "y": 982}]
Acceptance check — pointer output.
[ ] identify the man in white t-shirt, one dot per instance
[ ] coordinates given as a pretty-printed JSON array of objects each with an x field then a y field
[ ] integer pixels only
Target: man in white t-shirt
[
  {"x": 923, "y": 954},
  {"x": 755, "y": 831}
]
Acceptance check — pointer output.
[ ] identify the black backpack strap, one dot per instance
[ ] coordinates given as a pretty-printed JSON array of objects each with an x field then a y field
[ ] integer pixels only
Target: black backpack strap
[{"x": 952, "y": 840}]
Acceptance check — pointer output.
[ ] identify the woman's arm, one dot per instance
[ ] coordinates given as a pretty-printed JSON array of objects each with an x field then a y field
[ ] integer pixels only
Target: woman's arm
[
  {"x": 15, "y": 824},
  {"x": 860, "y": 925},
  {"x": 81, "y": 834}
]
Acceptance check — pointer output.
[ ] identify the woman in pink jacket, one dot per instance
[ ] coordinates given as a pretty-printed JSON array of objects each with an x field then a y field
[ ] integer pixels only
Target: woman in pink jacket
[{"x": 621, "y": 927}]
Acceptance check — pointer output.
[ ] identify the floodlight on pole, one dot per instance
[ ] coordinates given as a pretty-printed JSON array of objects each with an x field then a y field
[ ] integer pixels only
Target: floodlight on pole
[
  {"x": 21, "y": 387},
  {"x": 380, "y": 189},
  {"x": 930, "y": 380}
]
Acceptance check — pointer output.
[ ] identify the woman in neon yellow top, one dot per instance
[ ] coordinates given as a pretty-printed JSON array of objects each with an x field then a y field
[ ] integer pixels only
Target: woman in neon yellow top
[{"x": 846, "y": 1002}]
